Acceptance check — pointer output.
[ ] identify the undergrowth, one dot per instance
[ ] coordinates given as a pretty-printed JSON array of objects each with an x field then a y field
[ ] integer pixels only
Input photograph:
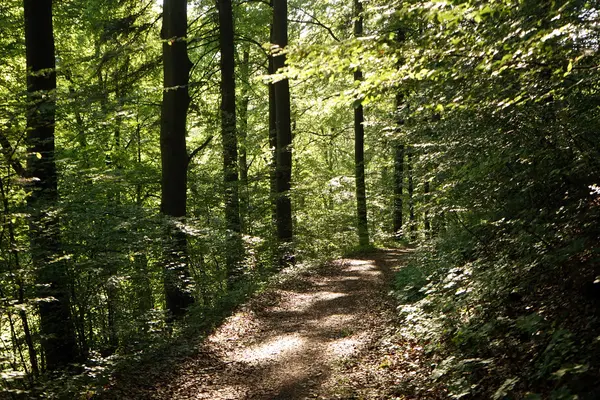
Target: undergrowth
[{"x": 498, "y": 326}]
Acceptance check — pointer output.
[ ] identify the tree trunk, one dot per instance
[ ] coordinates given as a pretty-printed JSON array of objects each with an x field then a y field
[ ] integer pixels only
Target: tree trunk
[
  {"x": 56, "y": 327},
  {"x": 359, "y": 145},
  {"x": 243, "y": 134},
  {"x": 176, "y": 68},
  {"x": 426, "y": 220},
  {"x": 398, "y": 188},
  {"x": 398, "y": 176},
  {"x": 411, "y": 203},
  {"x": 283, "y": 148},
  {"x": 230, "y": 145}
]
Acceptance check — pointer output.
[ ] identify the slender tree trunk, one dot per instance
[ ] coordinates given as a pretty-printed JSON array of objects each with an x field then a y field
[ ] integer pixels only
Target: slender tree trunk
[
  {"x": 398, "y": 176},
  {"x": 273, "y": 153},
  {"x": 230, "y": 145},
  {"x": 243, "y": 134},
  {"x": 359, "y": 145},
  {"x": 411, "y": 203},
  {"x": 398, "y": 189},
  {"x": 273, "y": 138},
  {"x": 56, "y": 327},
  {"x": 426, "y": 220},
  {"x": 284, "y": 138},
  {"x": 176, "y": 68}
]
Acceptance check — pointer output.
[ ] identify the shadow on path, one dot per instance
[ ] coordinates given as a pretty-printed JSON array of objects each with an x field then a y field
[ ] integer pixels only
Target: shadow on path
[{"x": 287, "y": 343}]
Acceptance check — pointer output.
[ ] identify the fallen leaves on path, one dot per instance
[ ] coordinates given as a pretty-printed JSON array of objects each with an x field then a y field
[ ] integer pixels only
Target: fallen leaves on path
[{"x": 323, "y": 334}]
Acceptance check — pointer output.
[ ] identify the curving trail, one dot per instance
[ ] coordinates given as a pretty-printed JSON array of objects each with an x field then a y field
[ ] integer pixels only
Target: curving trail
[{"x": 300, "y": 339}]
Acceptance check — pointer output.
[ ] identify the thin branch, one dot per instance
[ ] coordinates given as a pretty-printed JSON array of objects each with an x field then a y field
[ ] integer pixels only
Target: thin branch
[
  {"x": 315, "y": 21},
  {"x": 250, "y": 40},
  {"x": 199, "y": 149}
]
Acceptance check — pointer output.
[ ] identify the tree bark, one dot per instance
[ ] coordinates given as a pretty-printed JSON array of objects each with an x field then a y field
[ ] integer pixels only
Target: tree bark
[
  {"x": 426, "y": 220},
  {"x": 176, "y": 68},
  {"x": 284, "y": 138},
  {"x": 411, "y": 203},
  {"x": 398, "y": 176},
  {"x": 272, "y": 138},
  {"x": 234, "y": 248},
  {"x": 359, "y": 145},
  {"x": 56, "y": 327},
  {"x": 243, "y": 135},
  {"x": 398, "y": 189}
]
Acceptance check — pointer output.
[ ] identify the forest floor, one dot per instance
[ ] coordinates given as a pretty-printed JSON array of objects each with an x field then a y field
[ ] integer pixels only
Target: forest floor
[{"x": 324, "y": 333}]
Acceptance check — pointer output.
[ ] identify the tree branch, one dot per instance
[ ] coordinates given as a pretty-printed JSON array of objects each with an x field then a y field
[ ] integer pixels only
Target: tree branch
[
  {"x": 317, "y": 23},
  {"x": 199, "y": 149},
  {"x": 314, "y": 21}
]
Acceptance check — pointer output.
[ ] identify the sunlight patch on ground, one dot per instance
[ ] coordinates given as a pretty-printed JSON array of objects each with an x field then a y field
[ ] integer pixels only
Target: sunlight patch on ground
[
  {"x": 344, "y": 347},
  {"x": 272, "y": 349},
  {"x": 359, "y": 262},
  {"x": 350, "y": 278},
  {"x": 329, "y": 295},
  {"x": 371, "y": 273}
]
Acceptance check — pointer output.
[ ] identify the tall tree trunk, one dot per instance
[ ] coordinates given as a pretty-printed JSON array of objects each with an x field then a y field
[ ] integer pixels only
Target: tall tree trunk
[
  {"x": 243, "y": 134},
  {"x": 411, "y": 202},
  {"x": 398, "y": 189},
  {"x": 359, "y": 144},
  {"x": 284, "y": 138},
  {"x": 273, "y": 137},
  {"x": 426, "y": 220},
  {"x": 230, "y": 145},
  {"x": 176, "y": 68},
  {"x": 398, "y": 176},
  {"x": 56, "y": 327}
]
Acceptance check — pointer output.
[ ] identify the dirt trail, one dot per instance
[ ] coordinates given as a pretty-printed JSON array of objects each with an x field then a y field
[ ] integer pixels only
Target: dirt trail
[{"x": 296, "y": 340}]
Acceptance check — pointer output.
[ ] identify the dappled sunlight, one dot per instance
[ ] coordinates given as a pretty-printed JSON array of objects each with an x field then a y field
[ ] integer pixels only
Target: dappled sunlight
[
  {"x": 350, "y": 278},
  {"x": 355, "y": 263},
  {"x": 273, "y": 348},
  {"x": 345, "y": 347},
  {"x": 294, "y": 341},
  {"x": 328, "y": 295}
]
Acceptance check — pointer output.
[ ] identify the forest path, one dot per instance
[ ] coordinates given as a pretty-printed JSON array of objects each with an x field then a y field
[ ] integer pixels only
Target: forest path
[{"x": 301, "y": 339}]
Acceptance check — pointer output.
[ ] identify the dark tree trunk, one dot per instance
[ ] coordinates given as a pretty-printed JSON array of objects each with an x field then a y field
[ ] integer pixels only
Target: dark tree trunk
[
  {"x": 411, "y": 202},
  {"x": 359, "y": 145},
  {"x": 398, "y": 188},
  {"x": 176, "y": 68},
  {"x": 56, "y": 327},
  {"x": 243, "y": 134},
  {"x": 398, "y": 175},
  {"x": 426, "y": 220},
  {"x": 273, "y": 138},
  {"x": 284, "y": 138},
  {"x": 230, "y": 145}
]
